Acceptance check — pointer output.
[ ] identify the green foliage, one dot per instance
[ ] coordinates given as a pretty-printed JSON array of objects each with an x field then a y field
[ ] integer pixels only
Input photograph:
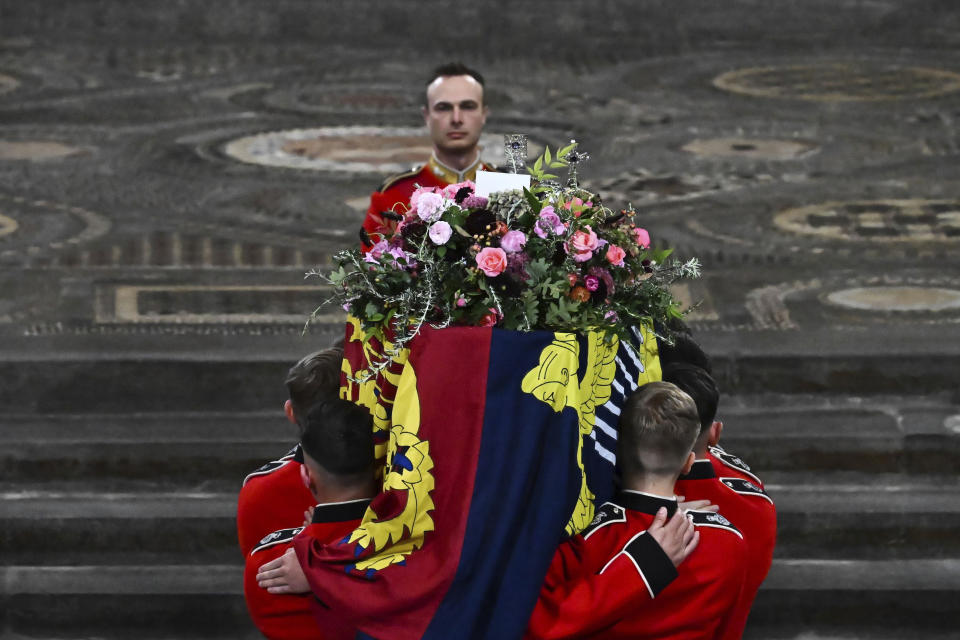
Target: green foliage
[{"x": 560, "y": 278}]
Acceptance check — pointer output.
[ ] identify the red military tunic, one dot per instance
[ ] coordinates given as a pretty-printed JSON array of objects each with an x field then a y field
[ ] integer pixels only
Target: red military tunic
[
  {"x": 272, "y": 497},
  {"x": 750, "y": 509},
  {"x": 614, "y": 581},
  {"x": 729, "y": 464},
  {"x": 292, "y": 617},
  {"x": 394, "y": 194}
]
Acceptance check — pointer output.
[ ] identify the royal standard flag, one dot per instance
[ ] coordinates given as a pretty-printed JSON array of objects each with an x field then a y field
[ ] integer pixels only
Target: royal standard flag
[{"x": 495, "y": 445}]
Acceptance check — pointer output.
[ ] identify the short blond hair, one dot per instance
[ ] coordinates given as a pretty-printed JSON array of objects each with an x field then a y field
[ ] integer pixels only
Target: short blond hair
[{"x": 658, "y": 427}]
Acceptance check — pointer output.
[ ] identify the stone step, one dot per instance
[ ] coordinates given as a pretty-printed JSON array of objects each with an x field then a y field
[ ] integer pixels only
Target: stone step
[
  {"x": 215, "y": 450},
  {"x": 864, "y": 599},
  {"x": 108, "y": 374},
  {"x": 878, "y": 434},
  {"x": 831, "y": 517},
  {"x": 197, "y": 451},
  {"x": 47, "y": 528},
  {"x": 152, "y": 601}
]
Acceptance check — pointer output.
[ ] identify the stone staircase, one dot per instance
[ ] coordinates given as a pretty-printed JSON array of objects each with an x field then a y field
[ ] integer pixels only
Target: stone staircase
[{"x": 120, "y": 525}]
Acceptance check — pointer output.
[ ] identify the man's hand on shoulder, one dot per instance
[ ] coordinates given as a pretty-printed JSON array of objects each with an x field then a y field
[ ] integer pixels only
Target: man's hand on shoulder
[
  {"x": 696, "y": 505},
  {"x": 677, "y": 537},
  {"x": 283, "y": 575}
]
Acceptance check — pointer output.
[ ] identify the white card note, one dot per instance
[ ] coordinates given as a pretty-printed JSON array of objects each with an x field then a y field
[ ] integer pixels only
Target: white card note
[{"x": 491, "y": 182}]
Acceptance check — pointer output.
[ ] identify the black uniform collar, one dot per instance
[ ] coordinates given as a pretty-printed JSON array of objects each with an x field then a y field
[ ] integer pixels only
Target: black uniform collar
[
  {"x": 298, "y": 453},
  {"x": 645, "y": 502},
  {"x": 340, "y": 511},
  {"x": 701, "y": 470}
]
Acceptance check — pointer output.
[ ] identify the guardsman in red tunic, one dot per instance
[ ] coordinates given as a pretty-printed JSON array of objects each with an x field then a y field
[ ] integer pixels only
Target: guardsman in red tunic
[
  {"x": 454, "y": 113},
  {"x": 615, "y": 580},
  {"x": 726, "y": 481},
  {"x": 338, "y": 468},
  {"x": 291, "y": 617},
  {"x": 273, "y": 497}
]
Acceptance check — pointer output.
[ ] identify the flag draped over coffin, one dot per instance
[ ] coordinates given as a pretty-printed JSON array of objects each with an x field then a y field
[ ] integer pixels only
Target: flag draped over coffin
[{"x": 495, "y": 444}]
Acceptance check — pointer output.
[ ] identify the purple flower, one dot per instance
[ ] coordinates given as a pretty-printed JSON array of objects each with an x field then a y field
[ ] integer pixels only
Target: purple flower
[
  {"x": 474, "y": 201},
  {"x": 548, "y": 222},
  {"x": 440, "y": 232},
  {"x": 611, "y": 316},
  {"x": 592, "y": 283},
  {"x": 513, "y": 241},
  {"x": 605, "y": 276}
]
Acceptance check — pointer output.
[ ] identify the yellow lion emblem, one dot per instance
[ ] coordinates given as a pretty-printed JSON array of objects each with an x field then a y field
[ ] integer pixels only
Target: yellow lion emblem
[
  {"x": 557, "y": 381},
  {"x": 408, "y": 473}
]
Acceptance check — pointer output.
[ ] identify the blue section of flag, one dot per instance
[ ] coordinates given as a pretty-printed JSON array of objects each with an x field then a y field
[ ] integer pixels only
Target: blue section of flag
[{"x": 526, "y": 486}]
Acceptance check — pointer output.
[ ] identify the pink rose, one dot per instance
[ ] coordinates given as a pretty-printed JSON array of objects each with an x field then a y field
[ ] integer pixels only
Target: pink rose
[
  {"x": 491, "y": 319},
  {"x": 451, "y": 190},
  {"x": 643, "y": 238},
  {"x": 513, "y": 241},
  {"x": 582, "y": 256},
  {"x": 615, "y": 255},
  {"x": 584, "y": 240},
  {"x": 461, "y": 301},
  {"x": 429, "y": 206},
  {"x": 415, "y": 196},
  {"x": 440, "y": 232},
  {"x": 492, "y": 261}
]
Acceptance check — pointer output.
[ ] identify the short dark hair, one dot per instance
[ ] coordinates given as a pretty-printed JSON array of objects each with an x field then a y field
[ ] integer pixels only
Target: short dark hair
[
  {"x": 684, "y": 349},
  {"x": 699, "y": 385},
  {"x": 456, "y": 69},
  {"x": 338, "y": 435},
  {"x": 658, "y": 428},
  {"x": 315, "y": 377}
]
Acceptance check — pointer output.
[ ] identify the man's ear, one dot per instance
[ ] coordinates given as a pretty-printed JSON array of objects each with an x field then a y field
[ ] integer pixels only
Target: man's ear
[
  {"x": 288, "y": 411},
  {"x": 305, "y": 476},
  {"x": 715, "y": 430},
  {"x": 425, "y": 111},
  {"x": 688, "y": 464}
]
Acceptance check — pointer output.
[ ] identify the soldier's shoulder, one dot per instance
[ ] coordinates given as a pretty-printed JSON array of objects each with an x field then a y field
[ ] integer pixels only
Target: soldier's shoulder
[
  {"x": 399, "y": 178},
  {"x": 735, "y": 462},
  {"x": 607, "y": 514},
  {"x": 713, "y": 520},
  {"x": 745, "y": 487}
]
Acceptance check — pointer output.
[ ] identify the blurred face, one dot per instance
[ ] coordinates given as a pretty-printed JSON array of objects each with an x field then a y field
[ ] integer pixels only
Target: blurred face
[{"x": 455, "y": 114}]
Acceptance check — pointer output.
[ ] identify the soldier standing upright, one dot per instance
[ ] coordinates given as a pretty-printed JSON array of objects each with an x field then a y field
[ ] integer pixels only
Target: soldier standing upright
[{"x": 454, "y": 112}]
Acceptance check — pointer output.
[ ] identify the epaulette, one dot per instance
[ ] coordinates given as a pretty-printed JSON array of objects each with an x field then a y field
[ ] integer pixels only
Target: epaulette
[
  {"x": 711, "y": 519},
  {"x": 272, "y": 466},
  {"x": 608, "y": 513},
  {"x": 734, "y": 462},
  {"x": 275, "y": 538},
  {"x": 745, "y": 488},
  {"x": 392, "y": 180}
]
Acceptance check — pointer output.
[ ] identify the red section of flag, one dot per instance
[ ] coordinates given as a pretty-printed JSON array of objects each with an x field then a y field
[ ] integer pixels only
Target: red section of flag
[{"x": 398, "y": 601}]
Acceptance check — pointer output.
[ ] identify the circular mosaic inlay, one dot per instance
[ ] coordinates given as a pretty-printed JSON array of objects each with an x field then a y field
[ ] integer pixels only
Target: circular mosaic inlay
[
  {"x": 356, "y": 149},
  {"x": 752, "y": 148},
  {"x": 877, "y": 220},
  {"x": 840, "y": 82},
  {"x": 896, "y": 299},
  {"x": 7, "y": 83},
  {"x": 7, "y": 225},
  {"x": 35, "y": 150}
]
